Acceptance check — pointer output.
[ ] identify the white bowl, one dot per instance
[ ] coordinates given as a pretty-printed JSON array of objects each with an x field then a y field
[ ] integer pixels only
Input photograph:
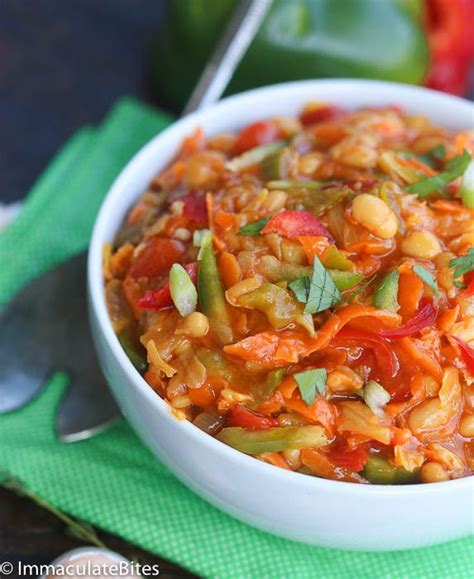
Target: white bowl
[{"x": 292, "y": 505}]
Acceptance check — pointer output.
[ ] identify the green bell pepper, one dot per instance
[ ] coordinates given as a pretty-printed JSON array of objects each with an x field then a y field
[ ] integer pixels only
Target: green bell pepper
[
  {"x": 211, "y": 293},
  {"x": 299, "y": 39},
  {"x": 134, "y": 350},
  {"x": 273, "y": 439},
  {"x": 379, "y": 471},
  {"x": 345, "y": 280}
]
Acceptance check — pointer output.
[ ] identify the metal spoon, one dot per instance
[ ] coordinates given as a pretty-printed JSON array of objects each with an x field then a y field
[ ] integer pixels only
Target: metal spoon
[{"x": 45, "y": 329}]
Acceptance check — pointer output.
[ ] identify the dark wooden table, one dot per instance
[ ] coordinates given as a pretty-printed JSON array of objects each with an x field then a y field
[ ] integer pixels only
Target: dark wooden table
[{"x": 62, "y": 65}]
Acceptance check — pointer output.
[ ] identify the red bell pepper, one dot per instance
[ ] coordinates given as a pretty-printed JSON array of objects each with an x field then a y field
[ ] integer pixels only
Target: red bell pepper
[
  {"x": 157, "y": 257},
  {"x": 469, "y": 279},
  {"x": 156, "y": 300},
  {"x": 448, "y": 26},
  {"x": 245, "y": 418},
  {"x": 195, "y": 208},
  {"x": 292, "y": 224},
  {"x": 260, "y": 133},
  {"x": 349, "y": 458},
  {"x": 426, "y": 316},
  {"x": 317, "y": 114},
  {"x": 467, "y": 354},
  {"x": 385, "y": 357}
]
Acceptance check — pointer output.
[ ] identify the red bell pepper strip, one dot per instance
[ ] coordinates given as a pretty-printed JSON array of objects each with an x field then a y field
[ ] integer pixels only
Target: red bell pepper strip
[
  {"x": 195, "y": 208},
  {"x": 156, "y": 300},
  {"x": 157, "y": 257},
  {"x": 314, "y": 115},
  {"x": 385, "y": 357},
  {"x": 257, "y": 134},
  {"x": 349, "y": 458},
  {"x": 426, "y": 316},
  {"x": 448, "y": 26},
  {"x": 469, "y": 279},
  {"x": 292, "y": 224},
  {"x": 467, "y": 354},
  {"x": 245, "y": 418}
]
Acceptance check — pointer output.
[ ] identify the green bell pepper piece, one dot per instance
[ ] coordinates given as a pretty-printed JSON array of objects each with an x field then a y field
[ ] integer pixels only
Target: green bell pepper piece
[
  {"x": 379, "y": 471},
  {"x": 183, "y": 291},
  {"x": 466, "y": 190},
  {"x": 135, "y": 352},
  {"x": 211, "y": 293},
  {"x": 277, "y": 165},
  {"x": 345, "y": 280},
  {"x": 334, "y": 259},
  {"x": 273, "y": 380},
  {"x": 386, "y": 295},
  {"x": 273, "y": 439},
  {"x": 381, "y": 39}
]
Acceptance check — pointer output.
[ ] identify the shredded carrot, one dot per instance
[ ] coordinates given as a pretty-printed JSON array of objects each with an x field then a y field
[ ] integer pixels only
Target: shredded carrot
[
  {"x": 203, "y": 396},
  {"x": 287, "y": 386},
  {"x": 274, "y": 349},
  {"x": 179, "y": 170},
  {"x": 321, "y": 412},
  {"x": 192, "y": 144},
  {"x": 276, "y": 459},
  {"x": 229, "y": 269},
  {"x": 387, "y": 127},
  {"x": 272, "y": 405},
  {"x": 400, "y": 436},
  {"x": 370, "y": 247},
  {"x": 210, "y": 210},
  {"x": 448, "y": 206},
  {"x": 262, "y": 348},
  {"x": 464, "y": 140},
  {"x": 313, "y": 245},
  {"x": 447, "y": 319},
  {"x": 345, "y": 315},
  {"x": 155, "y": 380},
  {"x": 422, "y": 356},
  {"x": 218, "y": 243},
  {"x": 410, "y": 292},
  {"x": 418, "y": 391},
  {"x": 224, "y": 220},
  {"x": 318, "y": 463},
  {"x": 328, "y": 133}
]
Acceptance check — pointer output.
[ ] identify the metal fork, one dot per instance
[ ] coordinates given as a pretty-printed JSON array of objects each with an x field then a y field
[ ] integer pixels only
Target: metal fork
[{"x": 45, "y": 328}]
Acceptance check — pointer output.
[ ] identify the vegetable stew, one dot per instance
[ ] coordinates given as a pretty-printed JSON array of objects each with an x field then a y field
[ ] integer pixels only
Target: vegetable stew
[{"x": 303, "y": 291}]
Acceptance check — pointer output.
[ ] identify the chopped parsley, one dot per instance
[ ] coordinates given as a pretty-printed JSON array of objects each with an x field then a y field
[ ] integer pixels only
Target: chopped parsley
[
  {"x": 319, "y": 292},
  {"x": 254, "y": 228},
  {"x": 454, "y": 169},
  {"x": 426, "y": 277},
  {"x": 301, "y": 287},
  {"x": 309, "y": 382},
  {"x": 464, "y": 264},
  {"x": 385, "y": 296}
]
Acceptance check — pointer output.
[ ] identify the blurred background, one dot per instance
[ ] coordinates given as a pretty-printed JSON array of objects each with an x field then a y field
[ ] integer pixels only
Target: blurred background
[{"x": 63, "y": 64}]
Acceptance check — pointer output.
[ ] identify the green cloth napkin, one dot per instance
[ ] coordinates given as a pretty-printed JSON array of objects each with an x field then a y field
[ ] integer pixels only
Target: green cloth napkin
[{"x": 112, "y": 481}]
